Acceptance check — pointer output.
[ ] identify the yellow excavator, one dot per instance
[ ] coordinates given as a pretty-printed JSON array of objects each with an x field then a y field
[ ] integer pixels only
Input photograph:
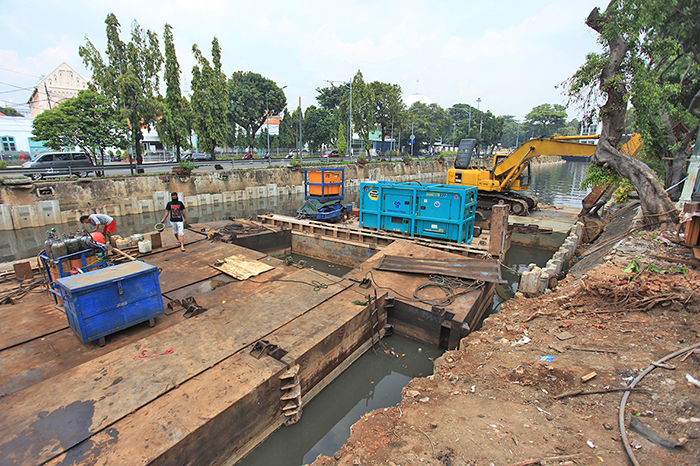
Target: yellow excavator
[{"x": 504, "y": 181}]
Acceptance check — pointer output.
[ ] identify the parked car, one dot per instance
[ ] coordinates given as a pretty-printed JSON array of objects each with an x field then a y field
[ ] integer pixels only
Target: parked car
[
  {"x": 60, "y": 164},
  {"x": 330, "y": 153},
  {"x": 196, "y": 157}
]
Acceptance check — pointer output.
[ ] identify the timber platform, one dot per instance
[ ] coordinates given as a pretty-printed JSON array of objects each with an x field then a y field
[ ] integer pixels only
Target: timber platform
[{"x": 205, "y": 390}]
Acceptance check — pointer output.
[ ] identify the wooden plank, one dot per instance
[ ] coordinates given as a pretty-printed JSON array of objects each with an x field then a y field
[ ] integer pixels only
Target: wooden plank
[
  {"x": 42, "y": 421},
  {"x": 182, "y": 419},
  {"x": 31, "y": 317},
  {"x": 241, "y": 267}
]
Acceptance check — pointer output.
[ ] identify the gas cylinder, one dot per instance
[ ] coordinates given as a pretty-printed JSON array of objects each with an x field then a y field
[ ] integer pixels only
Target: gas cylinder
[
  {"x": 59, "y": 249},
  {"x": 48, "y": 245}
]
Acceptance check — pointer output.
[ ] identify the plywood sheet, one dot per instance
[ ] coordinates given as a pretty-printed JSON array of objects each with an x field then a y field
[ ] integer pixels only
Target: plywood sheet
[
  {"x": 241, "y": 267},
  {"x": 31, "y": 317}
]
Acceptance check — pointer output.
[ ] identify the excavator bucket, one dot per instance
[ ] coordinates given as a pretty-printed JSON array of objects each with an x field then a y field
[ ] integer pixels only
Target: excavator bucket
[{"x": 464, "y": 153}]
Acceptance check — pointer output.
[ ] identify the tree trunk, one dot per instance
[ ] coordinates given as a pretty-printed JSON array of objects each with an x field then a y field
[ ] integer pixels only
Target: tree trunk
[{"x": 656, "y": 204}]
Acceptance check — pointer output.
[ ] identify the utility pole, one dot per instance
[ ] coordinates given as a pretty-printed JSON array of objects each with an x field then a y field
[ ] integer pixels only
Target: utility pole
[
  {"x": 478, "y": 103},
  {"x": 301, "y": 145}
]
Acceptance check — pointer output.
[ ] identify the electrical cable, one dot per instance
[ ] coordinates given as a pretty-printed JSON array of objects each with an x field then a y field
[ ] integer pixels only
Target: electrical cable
[{"x": 644, "y": 373}]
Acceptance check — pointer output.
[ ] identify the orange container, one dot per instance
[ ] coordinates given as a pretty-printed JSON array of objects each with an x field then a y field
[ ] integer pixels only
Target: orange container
[{"x": 332, "y": 182}]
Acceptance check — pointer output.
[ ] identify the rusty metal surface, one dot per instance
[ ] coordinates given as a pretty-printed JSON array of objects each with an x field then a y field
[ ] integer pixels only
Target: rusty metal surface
[{"x": 487, "y": 270}]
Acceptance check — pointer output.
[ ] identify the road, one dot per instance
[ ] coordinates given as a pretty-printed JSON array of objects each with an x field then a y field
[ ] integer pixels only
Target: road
[{"x": 121, "y": 168}]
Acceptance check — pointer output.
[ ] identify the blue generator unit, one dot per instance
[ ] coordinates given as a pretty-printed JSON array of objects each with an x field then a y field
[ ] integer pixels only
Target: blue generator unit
[{"x": 413, "y": 209}]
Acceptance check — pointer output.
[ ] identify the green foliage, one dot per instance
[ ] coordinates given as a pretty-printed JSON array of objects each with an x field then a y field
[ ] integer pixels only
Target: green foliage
[
  {"x": 317, "y": 127},
  {"x": 87, "y": 121},
  {"x": 130, "y": 77},
  {"x": 3, "y": 164},
  {"x": 209, "y": 99},
  {"x": 596, "y": 175},
  {"x": 172, "y": 127},
  {"x": 389, "y": 107},
  {"x": 546, "y": 118},
  {"x": 186, "y": 165},
  {"x": 9, "y": 111},
  {"x": 342, "y": 141},
  {"x": 247, "y": 93}
]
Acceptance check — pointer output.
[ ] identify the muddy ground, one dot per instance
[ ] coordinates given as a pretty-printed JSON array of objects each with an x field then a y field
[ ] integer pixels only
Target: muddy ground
[{"x": 501, "y": 399}]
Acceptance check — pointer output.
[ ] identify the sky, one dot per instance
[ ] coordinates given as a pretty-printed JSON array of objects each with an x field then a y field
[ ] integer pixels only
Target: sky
[{"x": 511, "y": 54}]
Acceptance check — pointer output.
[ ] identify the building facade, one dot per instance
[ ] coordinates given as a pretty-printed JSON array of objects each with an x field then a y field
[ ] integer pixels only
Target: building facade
[{"x": 61, "y": 84}]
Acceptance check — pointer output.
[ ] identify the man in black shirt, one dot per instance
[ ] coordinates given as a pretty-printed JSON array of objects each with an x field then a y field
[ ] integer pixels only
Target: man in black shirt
[{"x": 176, "y": 209}]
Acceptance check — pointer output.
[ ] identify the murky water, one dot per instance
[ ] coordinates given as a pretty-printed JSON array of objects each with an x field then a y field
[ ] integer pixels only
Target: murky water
[
  {"x": 558, "y": 183},
  {"x": 374, "y": 381}
]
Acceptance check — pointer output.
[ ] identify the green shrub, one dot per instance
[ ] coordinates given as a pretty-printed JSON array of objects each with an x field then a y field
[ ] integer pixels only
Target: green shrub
[{"x": 3, "y": 164}]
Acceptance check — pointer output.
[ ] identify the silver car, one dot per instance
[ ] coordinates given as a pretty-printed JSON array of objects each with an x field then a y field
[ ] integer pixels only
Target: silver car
[{"x": 60, "y": 164}]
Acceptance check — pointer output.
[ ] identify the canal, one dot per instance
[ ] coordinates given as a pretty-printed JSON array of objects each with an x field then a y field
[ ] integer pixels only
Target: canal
[{"x": 376, "y": 379}]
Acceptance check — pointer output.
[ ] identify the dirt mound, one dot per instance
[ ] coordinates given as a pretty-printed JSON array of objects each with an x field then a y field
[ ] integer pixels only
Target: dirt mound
[{"x": 542, "y": 381}]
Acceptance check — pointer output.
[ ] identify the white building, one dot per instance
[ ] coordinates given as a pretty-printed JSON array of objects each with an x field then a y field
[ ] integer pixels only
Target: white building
[{"x": 61, "y": 84}]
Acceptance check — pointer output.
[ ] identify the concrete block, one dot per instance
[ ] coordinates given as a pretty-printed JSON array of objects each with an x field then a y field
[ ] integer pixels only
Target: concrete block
[
  {"x": 147, "y": 205},
  {"x": 190, "y": 201},
  {"x": 229, "y": 196},
  {"x": 70, "y": 216},
  {"x": 529, "y": 281},
  {"x": 298, "y": 189},
  {"x": 283, "y": 191},
  {"x": 24, "y": 216},
  {"x": 204, "y": 199},
  {"x": 130, "y": 206},
  {"x": 217, "y": 198},
  {"x": 262, "y": 191},
  {"x": 5, "y": 218},
  {"x": 48, "y": 212},
  {"x": 242, "y": 195},
  {"x": 160, "y": 200},
  {"x": 272, "y": 190},
  {"x": 543, "y": 282},
  {"x": 252, "y": 192}
]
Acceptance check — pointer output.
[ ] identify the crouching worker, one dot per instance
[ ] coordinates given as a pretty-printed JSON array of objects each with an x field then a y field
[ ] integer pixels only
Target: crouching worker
[
  {"x": 109, "y": 226},
  {"x": 176, "y": 209}
]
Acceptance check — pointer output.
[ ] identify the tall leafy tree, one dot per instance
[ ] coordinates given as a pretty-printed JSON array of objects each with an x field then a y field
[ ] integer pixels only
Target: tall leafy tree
[
  {"x": 363, "y": 114},
  {"x": 87, "y": 121},
  {"x": 611, "y": 77},
  {"x": 547, "y": 118},
  {"x": 172, "y": 127},
  {"x": 342, "y": 140},
  {"x": 388, "y": 106},
  {"x": 318, "y": 127},
  {"x": 250, "y": 95},
  {"x": 130, "y": 76},
  {"x": 209, "y": 99}
]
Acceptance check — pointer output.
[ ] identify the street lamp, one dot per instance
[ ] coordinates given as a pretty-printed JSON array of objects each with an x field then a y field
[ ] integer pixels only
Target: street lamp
[
  {"x": 267, "y": 115},
  {"x": 481, "y": 125}
]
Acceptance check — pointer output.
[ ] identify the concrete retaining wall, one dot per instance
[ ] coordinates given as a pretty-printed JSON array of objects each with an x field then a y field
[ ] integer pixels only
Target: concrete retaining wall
[
  {"x": 536, "y": 280},
  {"x": 34, "y": 204}
]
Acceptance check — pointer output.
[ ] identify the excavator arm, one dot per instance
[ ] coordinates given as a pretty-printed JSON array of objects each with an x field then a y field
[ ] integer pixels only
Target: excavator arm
[{"x": 508, "y": 169}]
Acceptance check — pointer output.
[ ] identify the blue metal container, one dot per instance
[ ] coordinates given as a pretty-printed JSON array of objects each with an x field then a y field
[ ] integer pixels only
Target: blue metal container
[
  {"x": 429, "y": 210},
  {"x": 105, "y": 301}
]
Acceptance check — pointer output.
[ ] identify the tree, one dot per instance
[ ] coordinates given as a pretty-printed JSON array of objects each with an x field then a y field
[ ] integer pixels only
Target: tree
[
  {"x": 362, "y": 108},
  {"x": 172, "y": 127},
  {"x": 388, "y": 106},
  {"x": 318, "y": 127},
  {"x": 491, "y": 131},
  {"x": 130, "y": 78},
  {"x": 9, "y": 111},
  {"x": 610, "y": 75},
  {"x": 342, "y": 140},
  {"x": 87, "y": 121},
  {"x": 250, "y": 95},
  {"x": 548, "y": 117},
  {"x": 209, "y": 99},
  {"x": 288, "y": 130}
]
